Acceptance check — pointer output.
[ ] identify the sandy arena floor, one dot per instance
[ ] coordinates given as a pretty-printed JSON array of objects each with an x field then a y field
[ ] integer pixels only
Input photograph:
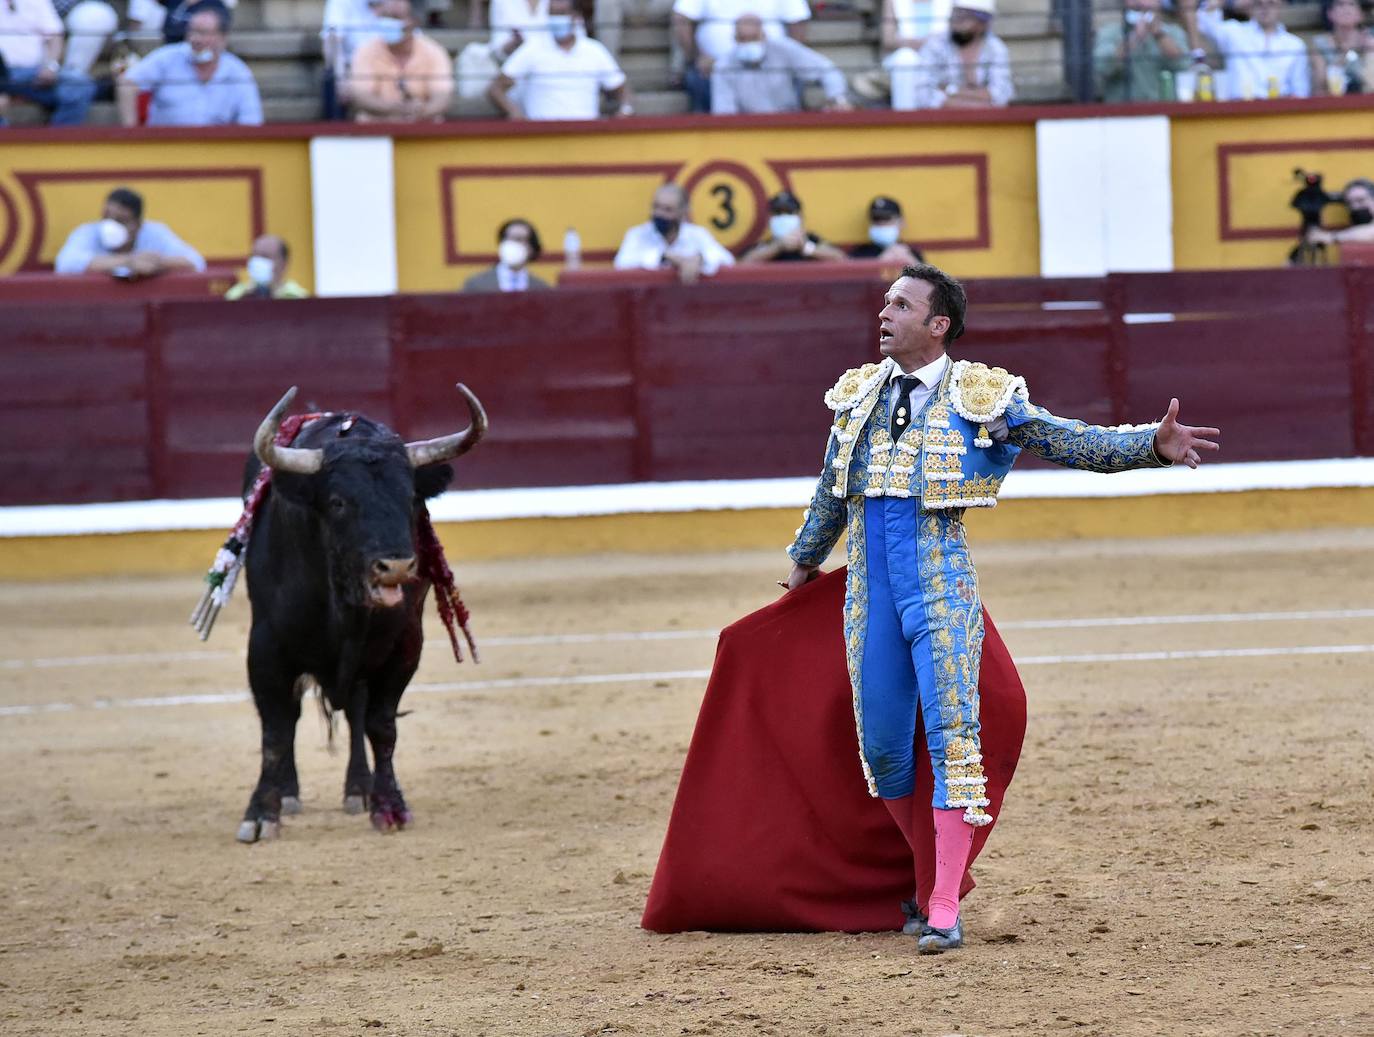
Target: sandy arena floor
[{"x": 1188, "y": 848}]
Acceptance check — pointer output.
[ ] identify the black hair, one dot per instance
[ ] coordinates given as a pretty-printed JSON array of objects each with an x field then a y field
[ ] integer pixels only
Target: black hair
[
  {"x": 1359, "y": 181},
  {"x": 216, "y": 8},
  {"x": 285, "y": 251},
  {"x": 131, "y": 200},
  {"x": 947, "y": 298},
  {"x": 536, "y": 247}
]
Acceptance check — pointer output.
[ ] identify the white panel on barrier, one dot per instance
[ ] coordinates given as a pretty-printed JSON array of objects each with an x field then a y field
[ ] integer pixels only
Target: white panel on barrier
[
  {"x": 1105, "y": 196},
  {"x": 352, "y": 190}
]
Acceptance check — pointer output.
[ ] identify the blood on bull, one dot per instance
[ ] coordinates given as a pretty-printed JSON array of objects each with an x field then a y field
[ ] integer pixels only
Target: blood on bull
[{"x": 340, "y": 559}]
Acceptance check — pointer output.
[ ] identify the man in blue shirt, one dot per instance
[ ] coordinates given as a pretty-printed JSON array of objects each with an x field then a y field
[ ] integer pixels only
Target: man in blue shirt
[
  {"x": 196, "y": 83},
  {"x": 123, "y": 245}
]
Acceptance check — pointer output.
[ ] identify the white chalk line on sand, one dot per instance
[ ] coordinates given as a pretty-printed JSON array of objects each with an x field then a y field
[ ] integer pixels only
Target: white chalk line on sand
[
  {"x": 216, "y": 698},
  {"x": 535, "y": 640}
]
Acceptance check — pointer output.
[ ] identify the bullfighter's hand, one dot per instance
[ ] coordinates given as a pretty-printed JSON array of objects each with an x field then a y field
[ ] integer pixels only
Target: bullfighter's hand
[
  {"x": 1177, "y": 442},
  {"x": 800, "y": 575}
]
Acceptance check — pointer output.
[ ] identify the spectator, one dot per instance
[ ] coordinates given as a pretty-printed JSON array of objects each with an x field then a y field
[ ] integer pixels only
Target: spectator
[
  {"x": 705, "y": 32},
  {"x": 967, "y": 67},
  {"x": 1129, "y": 54},
  {"x": 89, "y": 24},
  {"x": 124, "y": 245},
  {"x": 400, "y": 75},
  {"x": 517, "y": 245},
  {"x": 759, "y": 76},
  {"x": 266, "y": 269},
  {"x": 788, "y": 239},
  {"x": 561, "y": 76},
  {"x": 668, "y": 240},
  {"x": 1359, "y": 200},
  {"x": 169, "y": 17},
  {"x": 1262, "y": 57},
  {"x": 1343, "y": 59},
  {"x": 906, "y": 25},
  {"x": 346, "y": 25},
  {"x": 885, "y": 225},
  {"x": 196, "y": 83},
  {"x": 31, "y": 52}
]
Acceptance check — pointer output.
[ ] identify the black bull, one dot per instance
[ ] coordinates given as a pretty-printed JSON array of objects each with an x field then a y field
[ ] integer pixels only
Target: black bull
[{"x": 337, "y": 598}]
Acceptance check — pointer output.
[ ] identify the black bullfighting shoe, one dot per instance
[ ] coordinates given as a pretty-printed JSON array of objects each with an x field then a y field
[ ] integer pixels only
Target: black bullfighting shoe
[
  {"x": 937, "y": 941},
  {"x": 915, "y": 923}
]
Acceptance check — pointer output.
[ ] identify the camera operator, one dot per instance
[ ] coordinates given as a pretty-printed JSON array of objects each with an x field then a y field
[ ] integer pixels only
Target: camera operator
[{"x": 1358, "y": 197}]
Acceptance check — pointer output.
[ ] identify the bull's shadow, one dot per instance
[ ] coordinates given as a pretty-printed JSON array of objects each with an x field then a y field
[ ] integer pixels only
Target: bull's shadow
[{"x": 337, "y": 589}]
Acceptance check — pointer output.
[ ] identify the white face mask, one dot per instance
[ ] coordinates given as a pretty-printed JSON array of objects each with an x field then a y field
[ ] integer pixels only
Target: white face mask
[
  {"x": 783, "y": 224},
  {"x": 883, "y": 234},
  {"x": 113, "y": 235},
  {"x": 750, "y": 53},
  {"x": 203, "y": 56},
  {"x": 261, "y": 270},
  {"x": 1136, "y": 17},
  {"x": 512, "y": 254}
]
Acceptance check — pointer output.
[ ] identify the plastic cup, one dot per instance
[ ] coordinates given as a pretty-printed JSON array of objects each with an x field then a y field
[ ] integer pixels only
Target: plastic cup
[
  {"x": 1335, "y": 81},
  {"x": 1185, "y": 85}
]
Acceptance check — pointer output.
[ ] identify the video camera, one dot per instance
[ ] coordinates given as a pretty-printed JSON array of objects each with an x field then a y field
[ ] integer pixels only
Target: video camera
[{"x": 1310, "y": 200}]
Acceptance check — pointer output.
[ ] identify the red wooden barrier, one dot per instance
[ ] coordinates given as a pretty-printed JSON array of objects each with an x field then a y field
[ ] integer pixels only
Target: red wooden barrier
[{"x": 113, "y": 400}]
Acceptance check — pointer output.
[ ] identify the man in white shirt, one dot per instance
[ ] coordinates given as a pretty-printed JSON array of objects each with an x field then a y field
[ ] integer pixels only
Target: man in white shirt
[
  {"x": 31, "y": 40},
  {"x": 668, "y": 240},
  {"x": 561, "y": 76},
  {"x": 1263, "y": 59},
  {"x": 705, "y": 30}
]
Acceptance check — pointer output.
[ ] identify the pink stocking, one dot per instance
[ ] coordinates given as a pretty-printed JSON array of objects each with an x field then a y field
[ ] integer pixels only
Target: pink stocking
[{"x": 953, "y": 841}]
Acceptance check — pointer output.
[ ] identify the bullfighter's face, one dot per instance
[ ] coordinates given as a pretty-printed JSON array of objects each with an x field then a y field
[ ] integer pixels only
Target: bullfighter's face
[{"x": 907, "y": 331}]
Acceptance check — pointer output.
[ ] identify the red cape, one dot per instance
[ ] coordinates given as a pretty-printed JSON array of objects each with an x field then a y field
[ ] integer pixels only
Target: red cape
[{"x": 773, "y": 828}]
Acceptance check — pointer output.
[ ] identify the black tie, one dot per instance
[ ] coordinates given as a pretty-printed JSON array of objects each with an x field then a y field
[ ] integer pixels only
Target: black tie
[{"x": 901, "y": 413}]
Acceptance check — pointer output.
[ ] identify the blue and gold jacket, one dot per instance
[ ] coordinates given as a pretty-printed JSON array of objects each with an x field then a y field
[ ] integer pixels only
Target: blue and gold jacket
[{"x": 948, "y": 459}]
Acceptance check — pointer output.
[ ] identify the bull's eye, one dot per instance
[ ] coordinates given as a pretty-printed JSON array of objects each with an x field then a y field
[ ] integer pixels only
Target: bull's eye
[{"x": 337, "y": 504}]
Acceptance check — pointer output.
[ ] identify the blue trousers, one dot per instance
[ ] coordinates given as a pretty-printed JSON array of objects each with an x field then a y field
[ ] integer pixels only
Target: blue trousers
[
  {"x": 68, "y": 99},
  {"x": 899, "y": 686}
]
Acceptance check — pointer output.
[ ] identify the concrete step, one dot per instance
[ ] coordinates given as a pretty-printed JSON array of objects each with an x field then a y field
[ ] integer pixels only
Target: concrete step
[{"x": 257, "y": 44}]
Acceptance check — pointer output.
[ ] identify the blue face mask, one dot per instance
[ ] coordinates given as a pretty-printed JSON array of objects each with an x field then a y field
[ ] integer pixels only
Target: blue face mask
[
  {"x": 1136, "y": 17},
  {"x": 750, "y": 53},
  {"x": 561, "y": 26},
  {"x": 391, "y": 30},
  {"x": 783, "y": 224},
  {"x": 883, "y": 234}
]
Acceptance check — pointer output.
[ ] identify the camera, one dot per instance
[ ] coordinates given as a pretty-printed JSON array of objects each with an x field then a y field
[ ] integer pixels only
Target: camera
[{"x": 1310, "y": 200}]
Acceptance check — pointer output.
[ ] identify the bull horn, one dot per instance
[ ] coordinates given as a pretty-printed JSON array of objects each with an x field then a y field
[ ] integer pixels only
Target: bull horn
[
  {"x": 445, "y": 448},
  {"x": 284, "y": 458}
]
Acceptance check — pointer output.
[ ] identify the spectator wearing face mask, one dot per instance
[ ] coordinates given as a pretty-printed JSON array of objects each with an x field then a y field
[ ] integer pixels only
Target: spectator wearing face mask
[
  {"x": 195, "y": 83},
  {"x": 788, "y": 239},
  {"x": 967, "y": 67},
  {"x": 1358, "y": 197},
  {"x": 561, "y": 75},
  {"x": 517, "y": 245},
  {"x": 884, "y": 242},
  {"x": 761, "y": 76},
  {"x": 1343, "y": 59},
  {"x": 266, "y": 270},
  {"x": 125, "y": 245},
  {"x": 669, "y": 240},
  {"x": 400, "y": 74},
  {"x": 1129, "y": 54}
]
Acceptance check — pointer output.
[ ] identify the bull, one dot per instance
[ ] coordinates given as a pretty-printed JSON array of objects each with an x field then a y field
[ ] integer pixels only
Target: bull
[{"x": 337, "y": 595}]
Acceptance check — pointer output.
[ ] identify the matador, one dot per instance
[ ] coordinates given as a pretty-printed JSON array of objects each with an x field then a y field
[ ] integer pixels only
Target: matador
[{"x": 916, "y": 441}]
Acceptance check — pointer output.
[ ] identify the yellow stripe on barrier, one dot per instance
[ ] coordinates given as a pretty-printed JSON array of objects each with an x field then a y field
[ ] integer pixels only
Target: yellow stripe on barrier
[{"x": 1253, "y": 511}]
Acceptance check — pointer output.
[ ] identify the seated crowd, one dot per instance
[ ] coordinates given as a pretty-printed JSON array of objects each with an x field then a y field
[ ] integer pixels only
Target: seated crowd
[
  {"x": 124, "y": 245},
  {"x": 560, "y": 59}
]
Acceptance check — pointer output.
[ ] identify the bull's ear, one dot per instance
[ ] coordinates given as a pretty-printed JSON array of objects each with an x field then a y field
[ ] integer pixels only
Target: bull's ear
[{"x": 432, "y": 480}]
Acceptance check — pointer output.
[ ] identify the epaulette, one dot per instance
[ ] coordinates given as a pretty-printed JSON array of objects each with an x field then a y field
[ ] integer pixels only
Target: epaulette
[
  {"x": 981, "y": 393},
  {"x": 853, "y": 386}
]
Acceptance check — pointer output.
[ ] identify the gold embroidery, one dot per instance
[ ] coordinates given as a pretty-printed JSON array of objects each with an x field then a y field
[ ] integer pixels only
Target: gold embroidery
[{"x": 847, "y": 391}]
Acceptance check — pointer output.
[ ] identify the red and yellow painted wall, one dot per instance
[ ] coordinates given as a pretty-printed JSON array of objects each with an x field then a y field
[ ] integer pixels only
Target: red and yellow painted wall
[{"x": 970, "y": 185}]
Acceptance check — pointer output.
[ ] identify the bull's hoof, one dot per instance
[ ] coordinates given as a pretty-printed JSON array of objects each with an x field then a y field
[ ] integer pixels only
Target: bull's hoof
[
  {"x": 388, "y": 821},
  {"x": 290, "y": 805},
  {"x": 355, "y": 804},
  {"x": 261, "y": 830}
]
